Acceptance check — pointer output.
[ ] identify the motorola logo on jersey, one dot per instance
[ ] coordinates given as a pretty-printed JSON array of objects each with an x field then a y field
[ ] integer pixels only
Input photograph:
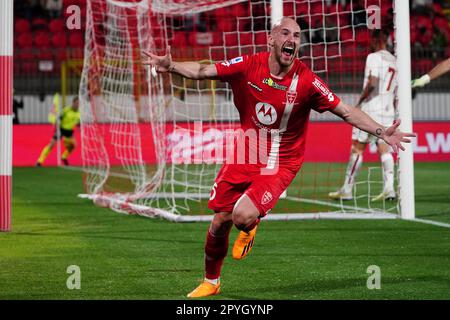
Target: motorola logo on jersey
[
  {"x": 323, "y": 89},
  {"x": 266, "y": 113}
]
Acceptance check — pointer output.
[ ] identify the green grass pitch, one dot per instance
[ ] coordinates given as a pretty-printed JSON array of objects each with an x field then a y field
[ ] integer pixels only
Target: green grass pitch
[{"x": 130, "y": 257}]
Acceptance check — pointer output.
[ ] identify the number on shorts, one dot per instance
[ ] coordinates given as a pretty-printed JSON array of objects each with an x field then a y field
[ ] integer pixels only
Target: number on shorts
[{"x": 213, "y": 191}]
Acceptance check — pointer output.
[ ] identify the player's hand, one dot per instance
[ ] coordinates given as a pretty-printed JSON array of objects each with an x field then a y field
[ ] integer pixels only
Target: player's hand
[
  {"x": 161, "y": 63},
  {"x": 395, "y": 137},
  {"x": 420, "y": 82}
]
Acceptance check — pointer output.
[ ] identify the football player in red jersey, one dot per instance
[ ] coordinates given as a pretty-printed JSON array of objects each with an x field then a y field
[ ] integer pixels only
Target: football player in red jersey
[{"x": 273, "y": 92}]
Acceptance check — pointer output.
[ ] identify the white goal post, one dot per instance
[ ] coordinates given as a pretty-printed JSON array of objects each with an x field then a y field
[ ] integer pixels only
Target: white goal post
[
  {"x": 406, "y": 161},
  {"x": 6, "y": 120},
  {"x": 124, "y": 109}
]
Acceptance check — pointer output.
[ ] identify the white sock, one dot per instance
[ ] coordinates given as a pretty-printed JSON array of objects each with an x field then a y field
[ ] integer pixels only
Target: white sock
[
  {"x": 353, "y": 167},
  {"x": 387, "y": 163},
  {"x": 213, "y": 281}
]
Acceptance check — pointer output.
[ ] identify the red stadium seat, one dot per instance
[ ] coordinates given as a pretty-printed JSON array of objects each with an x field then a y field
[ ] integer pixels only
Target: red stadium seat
[
  {"x": 413, "y": 32},
  {"x": 315, "y": 21},
  {"x": 245, "y": 38},
  {"x": 76, "y": 40},
  {"x": 319, "y": 64},
  {"x": 56, "y": 25},
  {"x": 362, "y": 37},
  {"x": 226, "y": 24},
  {"x": 305, "y": 51},
  {"x": 232, "y": 53},
  {"x": 333, "y": 50},
  {"x": 373, "y": 3},
  {"x": 45, "y": 54},
  {"x": 244, "y": 24},
  {"x": 240, "y": 10},
  {"x": 75, "y": 53},
  {"x": 22, "y": 25},
  {"x": 217, "y": 39},
  {"x": 59, "y": 40},
  {"x": 217, "y": 54},
  {"x": 441, "y": 24},
  {"x": 24, "y": 40},
  {"x": 423, "y": 65},
  {"x": 301, "y": 8},
  {"x": 318, "y": 50},
  {"x": 39, "y": 24},
  {"x": 261, "y": 38},
  {"x": 425, "y": 28},
  {"x": 316, "y": 8},
  {"x": 332, "y": 20},
  {"x": 344, "y": 19},
  {"x": 333, "y": 8},
  {"x": 60, "y": 54},
  {"x": 438, "y": 9},
  {"x": 221, "y": 12},
  {"x": 179, "y": 39},
  {"x": 288, "y": 9},
  {"x": 42, "y": 39},
  {"x": 346, "y": 34},
  {"x": 231, "y": 39},
  {"x": 26, "y": 62}
]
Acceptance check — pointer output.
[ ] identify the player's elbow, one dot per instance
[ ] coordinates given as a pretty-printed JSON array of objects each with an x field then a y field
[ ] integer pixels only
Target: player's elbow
[{"x": 202, "y": 72}]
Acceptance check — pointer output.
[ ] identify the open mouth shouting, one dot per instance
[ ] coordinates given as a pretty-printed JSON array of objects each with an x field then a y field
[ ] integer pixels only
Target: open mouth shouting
[{"x": 288, "y": 50}]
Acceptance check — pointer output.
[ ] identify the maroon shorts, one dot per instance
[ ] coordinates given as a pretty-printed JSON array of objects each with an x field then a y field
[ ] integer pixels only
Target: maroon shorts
[{"x": 234, "y": 180}]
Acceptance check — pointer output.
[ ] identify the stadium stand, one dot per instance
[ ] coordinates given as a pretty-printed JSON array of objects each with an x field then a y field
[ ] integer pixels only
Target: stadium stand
[{"x": 50, "y": 39}]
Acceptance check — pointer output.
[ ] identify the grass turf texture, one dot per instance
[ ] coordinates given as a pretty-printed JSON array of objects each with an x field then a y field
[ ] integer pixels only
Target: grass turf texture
[{"x": 127, "y": 257}]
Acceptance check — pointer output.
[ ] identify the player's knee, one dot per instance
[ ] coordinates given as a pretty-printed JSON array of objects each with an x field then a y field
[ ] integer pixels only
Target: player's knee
[
  {"x": 221, "y": 224},
  {"x": 243, "y": 218},
  {"x": 357, "y": 149}
]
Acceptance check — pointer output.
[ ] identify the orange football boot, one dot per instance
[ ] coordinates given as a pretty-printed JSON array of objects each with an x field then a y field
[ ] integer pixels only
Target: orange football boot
[
  {"x": 205, "y": 289},
  {"x": 244, "y": 243}
]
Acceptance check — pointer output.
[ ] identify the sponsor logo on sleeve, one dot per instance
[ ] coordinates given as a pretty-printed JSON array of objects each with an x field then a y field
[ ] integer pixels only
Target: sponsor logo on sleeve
[
  {"x": 228, "y": 63},
  {"x": 236, "y": 60},
  {"x": 266, "y": 198},
  {"x": 323, "y": 89}
]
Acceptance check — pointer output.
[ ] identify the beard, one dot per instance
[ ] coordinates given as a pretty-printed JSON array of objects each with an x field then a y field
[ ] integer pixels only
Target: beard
[{"x": 282, "y": 61}]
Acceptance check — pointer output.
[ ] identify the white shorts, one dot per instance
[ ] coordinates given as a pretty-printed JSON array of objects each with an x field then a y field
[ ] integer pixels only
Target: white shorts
[{"x": 365, "y": 137}]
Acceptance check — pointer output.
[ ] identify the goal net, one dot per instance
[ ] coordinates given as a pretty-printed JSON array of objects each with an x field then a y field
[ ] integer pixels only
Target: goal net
[{"x": 149, "y": 144}]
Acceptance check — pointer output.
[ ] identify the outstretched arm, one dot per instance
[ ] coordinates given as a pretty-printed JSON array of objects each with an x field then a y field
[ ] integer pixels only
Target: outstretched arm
[
  {"x": 191, "y": 70},
  {"x": 440, "y": 69},
  {"x": 354, "y": 116}
]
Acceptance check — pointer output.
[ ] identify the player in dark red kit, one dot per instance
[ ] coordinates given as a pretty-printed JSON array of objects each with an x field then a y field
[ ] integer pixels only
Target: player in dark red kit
[{"x": 274, "y": 92}]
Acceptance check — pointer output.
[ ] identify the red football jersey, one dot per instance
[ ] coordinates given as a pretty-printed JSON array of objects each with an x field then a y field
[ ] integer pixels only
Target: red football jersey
[{"x": 276, "y": 105}]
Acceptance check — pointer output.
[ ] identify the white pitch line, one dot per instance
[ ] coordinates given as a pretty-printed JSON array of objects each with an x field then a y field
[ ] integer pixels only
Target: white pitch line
[{"x": 440, "y": 224}]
